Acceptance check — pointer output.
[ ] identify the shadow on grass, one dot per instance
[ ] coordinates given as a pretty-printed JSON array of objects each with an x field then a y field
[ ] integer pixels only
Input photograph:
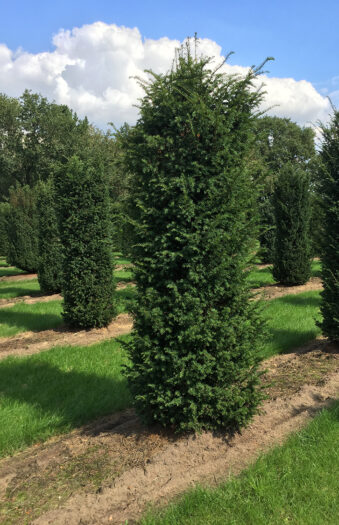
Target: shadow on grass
[
  {"x": 6, "y": 272},
  {"x": 287, "y": 341},
  {"x": 74, "y": 397},
  {"x": 9, "y": 291},
  {"x": 28, "y": 320},
  {"x": 301, "y": 300}
]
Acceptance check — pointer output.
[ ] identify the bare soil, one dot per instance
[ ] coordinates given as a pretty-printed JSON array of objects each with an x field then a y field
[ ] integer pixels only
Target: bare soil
[
  {"x": 28, "y": 343},
  {"x": 19, "y": 277},
  {"x": 272, "y": 291},
  {"x": 107, "y": 472}
]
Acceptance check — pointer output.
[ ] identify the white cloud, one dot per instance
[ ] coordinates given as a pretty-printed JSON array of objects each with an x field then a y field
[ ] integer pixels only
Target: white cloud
[{"x": 91, "y": 67}]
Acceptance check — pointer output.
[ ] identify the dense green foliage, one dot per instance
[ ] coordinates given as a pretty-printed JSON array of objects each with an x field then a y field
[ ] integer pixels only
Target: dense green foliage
[
  {"x": 23, "y": 228},
  {"x": 279, "y": 141},
  {"x": 194, "y": 348},
  {"x": 88, "y": 287},
  {"x": 36, "y": 138},
  {"x": 50, "y": 249},
  {"x": 292, "y": 262},
  {"x": 4, "y": 215},
  {"x": 330, "y": 245}
]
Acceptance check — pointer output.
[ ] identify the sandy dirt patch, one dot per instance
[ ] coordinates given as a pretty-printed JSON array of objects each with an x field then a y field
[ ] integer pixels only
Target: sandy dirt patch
[
  {"x": 19, "y": 277},
  {"x": 28, "y": 343},
  {"x": 272, "y": 291},
  {"x": 107, "y": 472}
]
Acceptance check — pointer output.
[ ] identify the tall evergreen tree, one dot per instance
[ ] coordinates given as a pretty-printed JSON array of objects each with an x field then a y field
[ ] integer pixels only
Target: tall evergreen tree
[
  {"x": 196, "y": 339},
  {"x": 330, "y": 245},
  {"x": 292, "y": 262},
  {"x": 88, "y": 288},
  {"x": 23, "y": 228},
  {"x": 50, "y": 248}
]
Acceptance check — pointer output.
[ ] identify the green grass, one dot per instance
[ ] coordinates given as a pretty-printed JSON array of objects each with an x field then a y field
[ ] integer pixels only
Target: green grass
[
  {"x": 25, "y": 317},
  {"x": 264, "y": 277},
  {"x": 7, "y": 272},
  {"x": 22, "y": 379},
  {"x": 291, "y": 321},
  {"x": 55, "y": 391},
  {"x": 123, "y": 276},
  {"x": 44, "y": 316},
  {"x": 297, "y": 483},
  {"x": 11, "y": 289}
]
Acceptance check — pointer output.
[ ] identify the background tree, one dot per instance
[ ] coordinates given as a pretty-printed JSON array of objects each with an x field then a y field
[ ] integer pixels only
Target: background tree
[
  {"x": 330, "y": 245},
  {"x": 4, "y": 215},
  {"x": 292, "y": 263},
  {"x": 279, "y": 141},
  {"x": 50, "y": 248},
  {"x": 23, "y": 228},
  {"x": 88, "y": 289},
  {"x": 195, "y": 347}
]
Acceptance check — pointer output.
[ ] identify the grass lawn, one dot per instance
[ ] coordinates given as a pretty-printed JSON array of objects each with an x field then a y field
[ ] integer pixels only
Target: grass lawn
[
  {"x": 123, "y": 276},
  {"x": 291, "y": 321},
  {"x": 55, "y": 391},
  {"x": 264, "y": 277},
  {"x": 44, "y": 316},
  {"x": 295, "y": 483},
  {"x": 25, "y": 419},
  {"x": 6, "y": 272},
  {"x": 10, "y": 289}
]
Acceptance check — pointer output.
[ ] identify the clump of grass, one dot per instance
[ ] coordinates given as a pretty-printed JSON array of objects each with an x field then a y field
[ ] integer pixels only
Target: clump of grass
[
  {"x": 123, "y": 276},
  {"x": 55, "y": 391},
  {"x": 295, "y": 483}
]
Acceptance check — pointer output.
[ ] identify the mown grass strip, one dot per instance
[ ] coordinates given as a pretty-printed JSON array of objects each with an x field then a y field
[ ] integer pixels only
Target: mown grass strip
[
  {"x": 295, "y": 483},
  {"x": 34, "y": 406},
  {"x": 257, "y": 278},
  {"x": 55, "y": 391},
  {"x": 11, "y": 289},
  {"x": 291, "y": 322},
  {"x": 44, "y": 316},
  {"x": 9, "y": 271}
]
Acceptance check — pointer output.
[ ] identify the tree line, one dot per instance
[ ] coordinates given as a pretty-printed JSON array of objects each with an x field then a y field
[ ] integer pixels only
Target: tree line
[{"x": 192, "y": 193}]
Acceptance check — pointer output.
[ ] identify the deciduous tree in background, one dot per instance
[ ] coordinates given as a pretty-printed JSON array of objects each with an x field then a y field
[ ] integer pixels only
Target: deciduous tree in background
[
  {"x": 195, "y": 346},
  {"x": 88, "y": 288},
  {"x": 330, "y": 245},
  {"x": 292, "y": 262}
]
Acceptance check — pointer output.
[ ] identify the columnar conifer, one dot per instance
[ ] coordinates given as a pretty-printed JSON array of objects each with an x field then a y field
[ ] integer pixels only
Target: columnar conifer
[
  {"x": 23, "y": 228},
  {"x": 292, "y": 262},
  {"x": 194, "y": 350},
  {"x": 88, "y": 289},
  {"x": 330, "y": 244},
  {"x": 50, "y": 249}
]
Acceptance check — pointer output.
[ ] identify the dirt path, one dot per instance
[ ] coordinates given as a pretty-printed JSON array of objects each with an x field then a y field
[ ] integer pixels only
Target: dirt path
[
  {"x": 272, "y": 291},
  {"x": 108, "y": 471},
  {"x": 28, "y": 343},
  {"x": 19, "y": 277}
]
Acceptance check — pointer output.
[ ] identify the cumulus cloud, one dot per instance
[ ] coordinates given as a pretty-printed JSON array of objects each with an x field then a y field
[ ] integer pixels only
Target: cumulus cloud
[{"x": 93, "y": 68}]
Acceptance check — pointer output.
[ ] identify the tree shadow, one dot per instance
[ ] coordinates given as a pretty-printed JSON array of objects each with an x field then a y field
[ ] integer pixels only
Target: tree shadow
[
  {"x": 297, "y": 300},
  {"x": 74, "y": 397},
  {"x": 18, "y": 291},
  {"x": 7, "y": 272},
  {"x": 29, "y": 320}
]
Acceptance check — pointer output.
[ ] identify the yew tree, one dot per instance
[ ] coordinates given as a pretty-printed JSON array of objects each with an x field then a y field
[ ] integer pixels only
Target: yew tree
[{"x": 194, "y": 351}]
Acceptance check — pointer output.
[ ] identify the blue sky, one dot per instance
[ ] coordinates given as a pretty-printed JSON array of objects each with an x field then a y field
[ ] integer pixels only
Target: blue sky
[{"x": 302, "y": 35}]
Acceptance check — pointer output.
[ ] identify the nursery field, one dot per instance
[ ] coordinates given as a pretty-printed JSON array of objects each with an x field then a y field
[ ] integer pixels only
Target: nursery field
[{"x": 72, "y": 449}]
